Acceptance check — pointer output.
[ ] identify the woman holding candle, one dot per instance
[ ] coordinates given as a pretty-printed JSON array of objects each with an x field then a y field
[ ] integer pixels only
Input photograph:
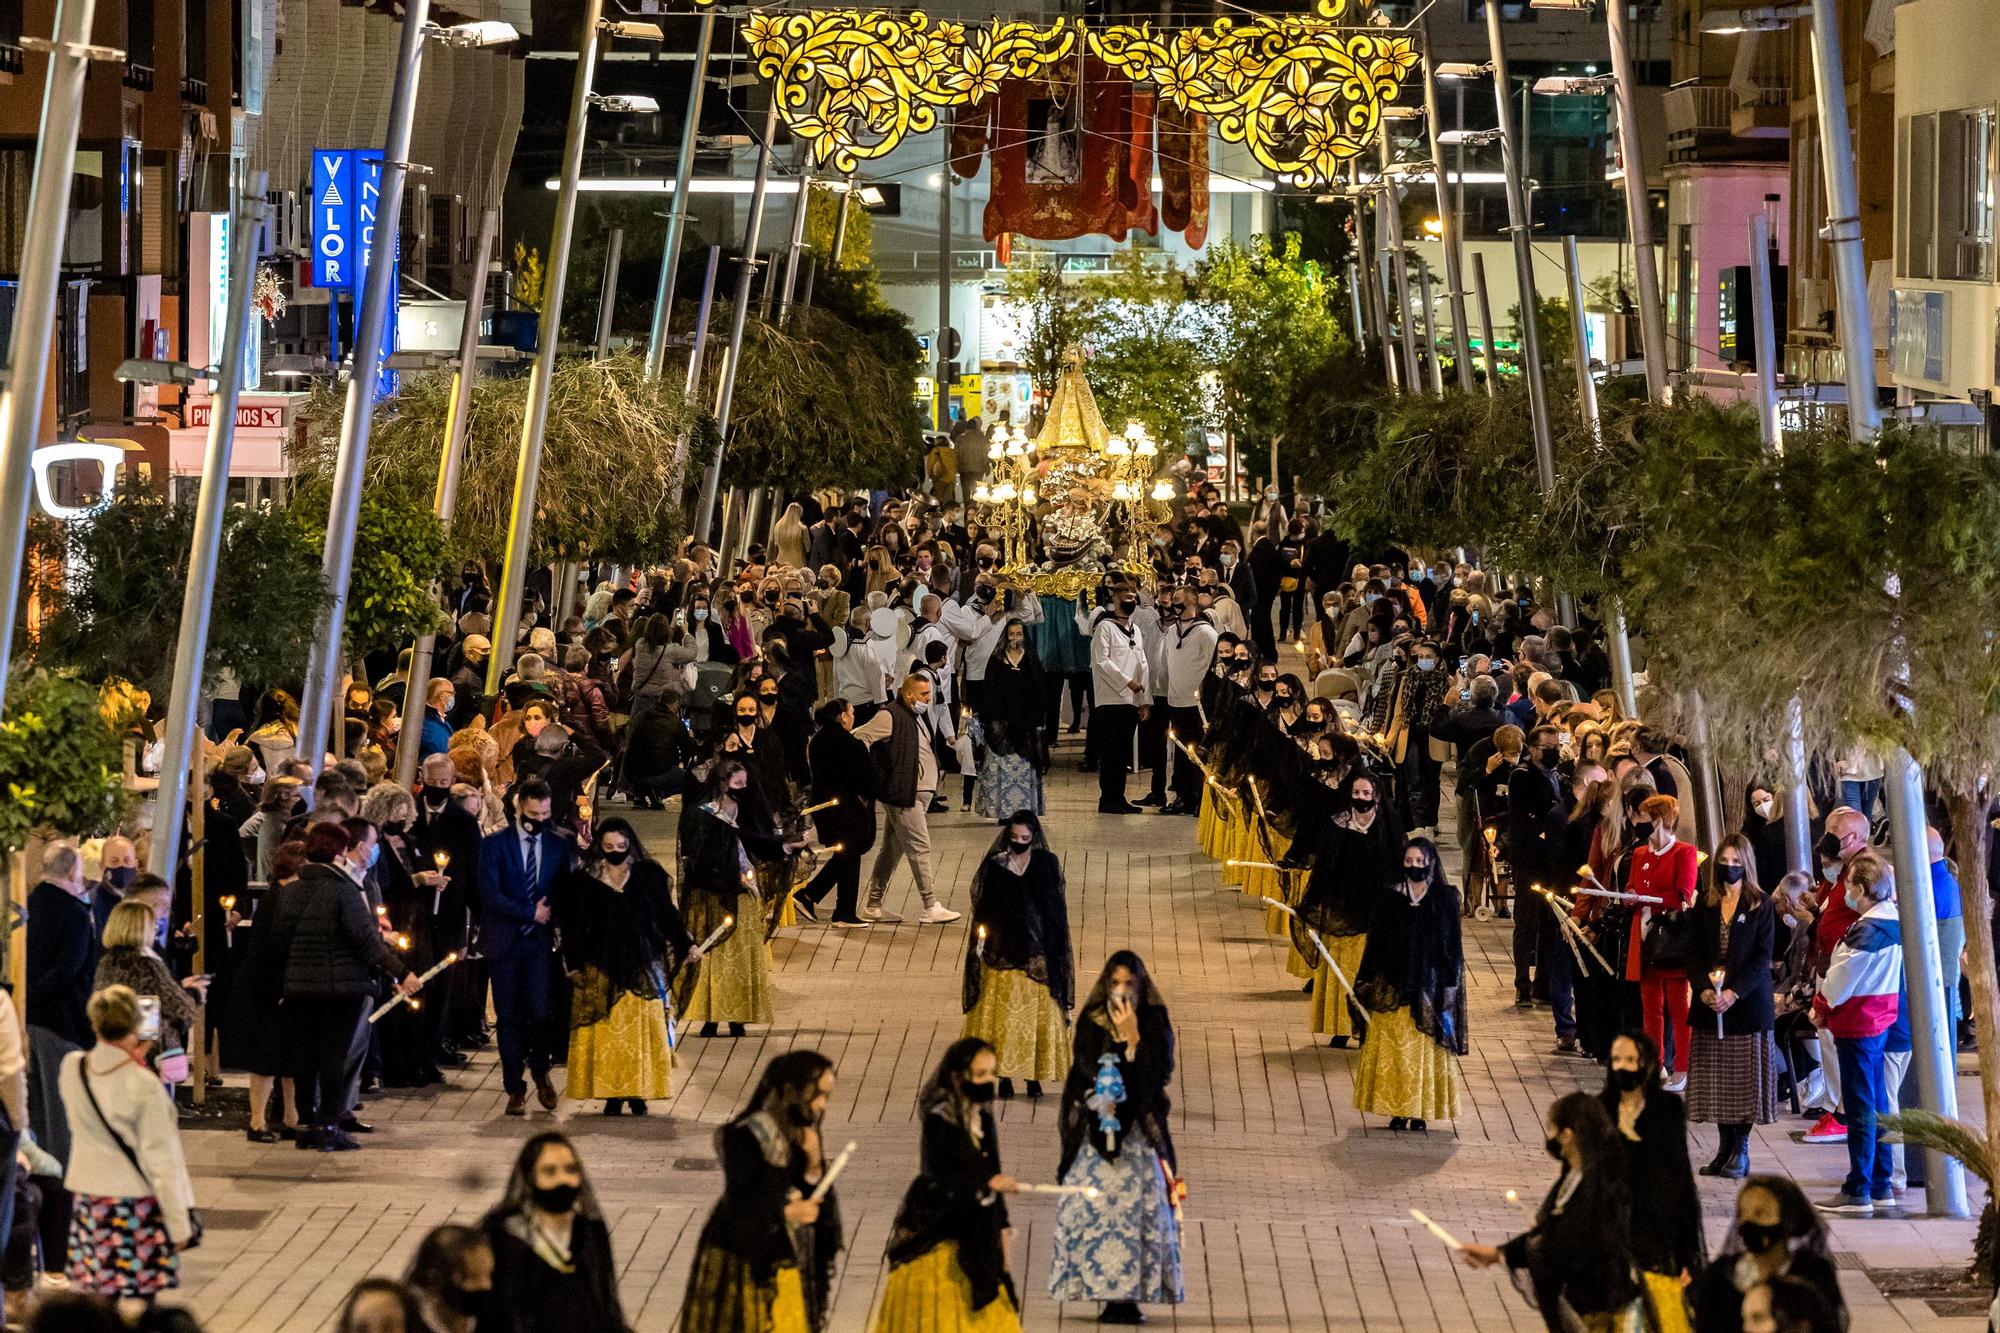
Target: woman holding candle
[
  {"x": 1122, "y": 1247},
  {"x": 724, "y": 839},
  {"x": 1733, "y": 1074},
  {"x": 1355, "y": 862},
  {"x": 622, "y": 937},
  {"x": 553, "y": 1270},
  {"x": 410, "y": 1038},
  {"x": 765, "y": 1261},
  {"x": 1412, "y": 980},
  {"x": 1019, "y": 983},
  {"x": 1666, "y": 1236},
  {"x": 1666, "y": 868},
  {"x": 948, "y": 1248}
]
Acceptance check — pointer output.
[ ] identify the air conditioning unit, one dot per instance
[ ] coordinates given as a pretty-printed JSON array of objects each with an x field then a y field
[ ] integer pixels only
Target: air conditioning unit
[{"x": 285, "y": 224}]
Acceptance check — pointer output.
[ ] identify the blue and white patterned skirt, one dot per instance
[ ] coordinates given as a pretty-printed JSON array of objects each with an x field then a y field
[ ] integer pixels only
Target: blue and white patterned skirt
[
  {"x": 1007, "y": 783},
  {"x": 1124, "y": 1245}
]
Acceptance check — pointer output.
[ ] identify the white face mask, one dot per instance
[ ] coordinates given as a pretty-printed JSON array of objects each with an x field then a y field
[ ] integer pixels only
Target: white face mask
[
  {"x": 255, "y": 777},
  {"x": 1764, "y": 808}
]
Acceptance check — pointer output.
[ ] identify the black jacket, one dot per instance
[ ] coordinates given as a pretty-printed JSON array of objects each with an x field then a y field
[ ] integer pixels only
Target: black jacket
[
  {"x": 1746, "y": 967},
  {"x": 62, "y": 963},
  {"x": 842, "y": 770},
  {"x": 455, "y": 833},
  {"x": 1536, "y": 800},
  {"x": 1666, "y": 1211},
  {"x": 949, "y": 1201},
  {"x": 331, "y": 942},
  {"x": 896, "y": 758},
  {"x": 530, "y": 1296}
]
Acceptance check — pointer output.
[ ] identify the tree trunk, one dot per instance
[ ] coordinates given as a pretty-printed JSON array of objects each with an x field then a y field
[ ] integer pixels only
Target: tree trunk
[{"x": 1969, "y": 832}]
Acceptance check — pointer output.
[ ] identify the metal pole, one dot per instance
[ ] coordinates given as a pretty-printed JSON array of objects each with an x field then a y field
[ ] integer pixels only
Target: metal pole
[
  {"x": 1618, "y": 640},
  {"x": 1399, "y": 262},
  {"x": 1638, "y": 207},
  {"x": 318, "y": 705},
  {"x": 788, "y": 292},
  {"x": 840, "y": 224},
  {"x": 670, "y": 256},
  {"x": 178, "y": 750},
  {"x": 699, "y": 350},
  {"x": 1431, "y": 343},
  {"x": 1354, "y": 302},
  {"x": 1524, "y": 259},
  {"x": 1843, "y": 223},
  {"x": 1452, "y": 223},
  {"x": 1485, "y": 321},
  {"x": 941, "y": 395},
  {"x": 1763, "y": 322},
  {"x": 417, "y": 684},
  {"x": 726, "y": 391},
  {"x": 35, "y": 308},
  {"x": 607, "y": 297},
  {"x": 1707, "y": 789},
  {"x": 528, "y": 467},
  {"x": 1932, "y": 1039}
]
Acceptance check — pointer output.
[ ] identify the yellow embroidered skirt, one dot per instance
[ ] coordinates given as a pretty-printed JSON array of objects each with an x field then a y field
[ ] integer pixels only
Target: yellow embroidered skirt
[
  {"x": 1208, "y": 829},
  {"x": 1669, "y": 1302},
  {"x": 1402, "y": 1072},
  {"x": 1019, "y": 1018},
  {"x": 1330, "y": 1005},
  {"x": 623, "y": 1054},
  {"x": 930, "y": 1294},
  {"x": 732, "y": 984},
  {"x": 1261, "y": 883},
  {"x": 724, "y": 1296}
]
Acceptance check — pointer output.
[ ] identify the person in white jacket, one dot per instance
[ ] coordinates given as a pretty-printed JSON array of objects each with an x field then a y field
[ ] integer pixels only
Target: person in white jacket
[
  {"x": 858, "y": 676},
  {"x": 1189, "y": 652},
  {"x": 1121, "y": 693},
  {"x": 134, "y": 1207}
]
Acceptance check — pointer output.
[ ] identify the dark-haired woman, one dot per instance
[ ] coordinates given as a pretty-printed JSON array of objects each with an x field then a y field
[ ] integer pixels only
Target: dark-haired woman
[
  {"x": 724, "y": 839},
  {"x": 1019, "y": 983},
  {"x": 1412, "y": 982},
  {"x": 765, "y": 1261},
  {"x": 948, "y": 1249},
  {"x": 1733, "y": 1062},
  {"x": 1578, "y": 1255},
  {"x": 1665, "y": 1226},
  {"x": 452, "y": 1278},
  {"x": 1122, "y": 1247},
  {"x": 1354, "y": 863},
  {"x": 1777, "y": 1236},
  {"x": 552, "y": 1265},
  {"x": 622, "y": 937},
  {"x": 1009, "y": 709}
]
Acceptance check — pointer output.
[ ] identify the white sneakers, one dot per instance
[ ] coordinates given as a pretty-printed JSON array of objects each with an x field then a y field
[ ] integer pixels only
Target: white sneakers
[
  {"x": 936, "y": 915},
  {"x": 881, "y": 916}
]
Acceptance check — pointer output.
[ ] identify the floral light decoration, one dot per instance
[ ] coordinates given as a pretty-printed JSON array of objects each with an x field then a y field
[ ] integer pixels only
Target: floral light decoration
[
  {"x": 853, "y": 85},
  {"x": 269, "y": 297}
]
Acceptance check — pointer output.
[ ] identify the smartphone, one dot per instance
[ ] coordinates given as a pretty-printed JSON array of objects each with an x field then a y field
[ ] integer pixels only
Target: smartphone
[{"x": 149, "y": 1018}]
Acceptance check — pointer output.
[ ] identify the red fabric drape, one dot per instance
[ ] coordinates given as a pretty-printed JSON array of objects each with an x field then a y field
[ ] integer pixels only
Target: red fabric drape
[{"x": 1095, "y": 202}]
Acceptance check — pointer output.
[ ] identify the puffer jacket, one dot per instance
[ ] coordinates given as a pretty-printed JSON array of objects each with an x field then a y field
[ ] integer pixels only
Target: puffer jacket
[{"x": 332, "y": 945}]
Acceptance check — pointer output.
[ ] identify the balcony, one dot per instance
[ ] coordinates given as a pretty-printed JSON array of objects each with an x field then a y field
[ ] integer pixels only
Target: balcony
[
  {"x": 138, "y": 76},
  {"x": 1696, "y": 112},
  {"x": 195, "y": 91},
  {"x": 13, "y": 60}
]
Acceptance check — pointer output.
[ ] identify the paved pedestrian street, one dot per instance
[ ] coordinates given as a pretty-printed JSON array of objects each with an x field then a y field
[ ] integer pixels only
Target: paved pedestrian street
[{"x": 1298, "y": 1209}]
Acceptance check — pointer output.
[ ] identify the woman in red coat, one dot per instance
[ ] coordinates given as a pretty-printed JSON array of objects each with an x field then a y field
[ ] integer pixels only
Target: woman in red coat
[{"x": 1666, "y": 868}]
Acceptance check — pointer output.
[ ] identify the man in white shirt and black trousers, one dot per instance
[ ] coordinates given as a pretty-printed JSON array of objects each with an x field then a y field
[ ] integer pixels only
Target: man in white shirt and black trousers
[{"x": 1121, "y": 694}]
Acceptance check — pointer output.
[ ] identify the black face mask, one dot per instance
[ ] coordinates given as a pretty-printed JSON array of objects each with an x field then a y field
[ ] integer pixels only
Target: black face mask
[
  {"x": 980, "y": 1093},
  {"x": 1021, "y": 847},
  {"x": 619, "y": 857},
  {"x": 1732, "y": 874},
  {"x": 1266, "y": 686},
  {"x": 1240, "y": 665},
  {"x": 436, "y": 795},
  {"x": 470, "y": 1303},
  {"x": 1363, "y": 804},
  {"x": 1625, "y": 1080},
  {"x": 396, "y": 828},
  {"x": 746, "y": 719},
  {"x": 1417, "y": 874},
  {"x": 555, "y": 1198},
  {"x": 801, "y": 1115},
  {"x": 1555, "y": 1147},
  {"x": 1550, "y": 756},
  {"x": 469, "y": 579},
  {"x": 768, "y": 700},
  {"x": 1284, "y": 700},
  {"x": 1760, "y": 1238},
  {"x": 1829, "y": 847},
  {"x": 1126, "y": 606},
  {"x": 530, "y": 825}
]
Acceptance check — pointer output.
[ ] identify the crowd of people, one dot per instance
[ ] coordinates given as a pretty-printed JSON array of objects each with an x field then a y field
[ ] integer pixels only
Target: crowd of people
[{"x": 808, "y": 708}]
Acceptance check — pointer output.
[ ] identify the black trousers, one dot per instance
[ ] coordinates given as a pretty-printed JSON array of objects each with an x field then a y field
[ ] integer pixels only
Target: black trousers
[
  {"x": 324, "y": 1048},
  {"x": 1111, "y": 729},
  {"x": 1052, "y": 692},
  {"x": 842, "y": 874},
  {"x": 1186, "y": 726},
  {"x": 1260, "y": 628},
  {"x": 1153, "y": 747}
]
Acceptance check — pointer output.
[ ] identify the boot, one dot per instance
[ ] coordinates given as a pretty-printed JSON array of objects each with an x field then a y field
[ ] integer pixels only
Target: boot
[
  {"x": 1722, "y": 1151},
  {"x": 1738, "y": 1164},
  {"x": 1006, "y": 1087}
]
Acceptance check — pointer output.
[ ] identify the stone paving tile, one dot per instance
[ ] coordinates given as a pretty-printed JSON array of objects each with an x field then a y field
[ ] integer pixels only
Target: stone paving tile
[{"x": 1298, "y": 1216}]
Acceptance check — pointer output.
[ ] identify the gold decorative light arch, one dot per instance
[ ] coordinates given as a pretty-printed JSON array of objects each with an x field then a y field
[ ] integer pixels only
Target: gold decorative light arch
[{"x": 1302, "y": 92}]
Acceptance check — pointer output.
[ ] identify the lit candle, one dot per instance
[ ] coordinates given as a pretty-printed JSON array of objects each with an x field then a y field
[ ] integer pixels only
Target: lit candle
[
  {"x": 228, "y": 901},
  {"x": 1715, "y": 983}
]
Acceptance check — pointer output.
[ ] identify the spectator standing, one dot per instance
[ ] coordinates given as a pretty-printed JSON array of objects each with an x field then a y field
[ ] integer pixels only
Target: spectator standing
[
  {"x": 1733, "y": 1069},
  {"x": 62, "y": 947},
  {"x": 1120, "y": 696},
  {"x": 1858, "y": 1003}
]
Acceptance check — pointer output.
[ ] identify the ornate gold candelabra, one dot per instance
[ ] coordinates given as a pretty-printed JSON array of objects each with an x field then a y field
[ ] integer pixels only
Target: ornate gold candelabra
[
  {"x": 1008, "y": 494},
  {"x": 1136, "y": 498}
]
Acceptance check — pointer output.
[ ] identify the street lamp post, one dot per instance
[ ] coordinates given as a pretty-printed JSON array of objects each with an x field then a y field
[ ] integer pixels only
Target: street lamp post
[
  {"x": 670, "y": 257},
  {"x": 317, "y": 704},
  {"x": 1638, "y": 206},
  {"x": 1392, "y": 204},
  {"x": 1485, "y": 321},
  {"x": 1449, "y": 218},
  {"x": 177, "y": 747}
]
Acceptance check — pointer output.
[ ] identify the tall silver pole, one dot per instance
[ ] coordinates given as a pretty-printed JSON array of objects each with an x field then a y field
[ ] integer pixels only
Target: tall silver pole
[
  {"x": 1843, "y": 223},
  {"x": 1354, "y": 303},
  {"x": 35, "y": 305},
  {"x": 699, "y": 351},
  {"x": 417, "y": 684},
  {"x": 607, "y": 296},
  {"x": 1524, "y": 258},
  {"x": 1763, "y": 322},
  {"x": 941, "y": 395},
  {"x": 1618, "y": 641},
  {"x": 1431, "y": 342},
  {"x": 840, "y": 224},
  {"x": 1638, "y": 209},
  {"x": 670, "y": 256},
  {"x": 796, "y": 243},
  {"x": 528, "y": 467},
  {"x": 1486, "y": 322},
  {"x": 1449, "y": 219},
  {"x": 318, "y": 705},
  {"x": 191, "y": 648},
  {"x": 1392, "y": 199},
  {"x": 726, "y": 391}
]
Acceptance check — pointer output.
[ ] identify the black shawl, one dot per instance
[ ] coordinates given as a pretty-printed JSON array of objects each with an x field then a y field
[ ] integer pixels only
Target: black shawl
[
  {"x": 1010, "y": 708},
  {"x": 709, "y": 844},
  {"x": 1146, "y": 1076},
  {"x": 1665, "y": 1225},
  {"x": 1577, "y": 1254},
  {"x": 949, "y": 1201},
  {"x": 1415, "y": 960},
  {"x": 1027, "y": 926},
  {"x": 1351, "y": 869},
  {"x": 1218, "y": 691},
  {"x": 761, "y": 1166},
  {"x": 635, "y": 937}
]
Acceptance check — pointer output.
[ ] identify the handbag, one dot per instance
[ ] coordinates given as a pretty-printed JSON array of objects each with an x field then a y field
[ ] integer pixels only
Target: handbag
[
  {"x": 1669, "y": 942},
  {"x": 83, "y": 1076}
]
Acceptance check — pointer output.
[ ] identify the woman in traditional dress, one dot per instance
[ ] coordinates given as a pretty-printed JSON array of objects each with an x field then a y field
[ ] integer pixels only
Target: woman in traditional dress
[
  {"x": 765, "y": 1262},
  {"x": 1019, "y": 983},
  {"x": 1122, "y": 1247},
  {"x": 1412, "y": 980},
  {"x": 1666, "y": 1232},
  {"x": 1353, "y": 865},
  {"x": 948, "y": 1248},
  {"x": 1009, "y": 709},
  {"x": 726, "y": 837},
  {"x": 622, "y": 937},
  {"x": 552, "y": 1266}
]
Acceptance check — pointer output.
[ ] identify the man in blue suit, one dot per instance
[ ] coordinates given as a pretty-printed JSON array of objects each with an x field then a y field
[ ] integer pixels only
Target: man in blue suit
[{"x": 517, "y": 867}]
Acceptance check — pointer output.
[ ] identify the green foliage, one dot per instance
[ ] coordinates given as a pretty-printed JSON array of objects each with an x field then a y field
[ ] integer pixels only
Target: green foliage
[
  {"x": 1276, "y": 313},
  {"x": 1150, "y": 355},
  {"x": 119, "y": 612},
  {"x": 1055, "y": 315},
  {"x": 60, "y": 762},
  {"x": 857, "y": 249},
  {"x": 399, "y": 546}
]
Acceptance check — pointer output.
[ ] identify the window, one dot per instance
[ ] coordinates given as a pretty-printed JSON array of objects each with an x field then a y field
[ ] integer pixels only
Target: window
[
  {"x": 139, "y": 43},
  {"x": 194, "y": 50},
  {"x": 1944, "y": 204},
  {"x": 1918, "y": 196},
  {"x": 1512, "y": 11},
  {"x": 12, "y": 60}
]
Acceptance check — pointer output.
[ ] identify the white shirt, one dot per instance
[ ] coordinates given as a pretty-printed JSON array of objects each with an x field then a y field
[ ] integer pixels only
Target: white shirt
[
  {"x": 1189, "y": 651},
  {"x": 1117, "y": 657},
  {"x": 857, "y": 672},
  {"x": 978, "y": 631}
]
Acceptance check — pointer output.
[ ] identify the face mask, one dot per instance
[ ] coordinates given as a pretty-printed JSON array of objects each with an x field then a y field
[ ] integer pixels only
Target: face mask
[
  {"x": 1284, "y": 700},
  {"x": 1241, "y": 665},
  {"x": 1416, "y": 874},
  {"x": 746, "y": 719},
  {"x": 1856, "y": 901},
  {"x": 980, "y": 1093},
  {"x": 1829, "y": 847},
  {"x": 469, "y": 579},
  {"x": 1266, "y": 686},
  {"x": 1362, "y": 804},
  {"x": 1642, "y": 830},
  {"x": 470, "y": 1303},
  {"x": 555, "y": 1198},
  {"x": 1550, "y": 755},
  {"x": 738, "y": 788},
  {"x": 1759, "y": 1237},
  {"x": 1228, "y": 561},
  {"x": 530, "y": 826},
  {"x": 1021, "y": 847},
  {"x": 801, "y": 1115},
  {"x": 1626, "y": 1080},
  {"x": 436, "y": 795},
  {"x": 1555, "y": 1147},
  {"x": 619, "y": 857},
  {"x": 1426, "y": 664},
  {"x": 1732, "y": 874},
  {"x": 768, "y": 700},
  {"x": 255, "y": 777},
  {"x": 1126, "y": 605},
  {"x": 1369, "y": 599},
  {"x": 1763, "y": 809},
  {"x": 121, "y": 877}
]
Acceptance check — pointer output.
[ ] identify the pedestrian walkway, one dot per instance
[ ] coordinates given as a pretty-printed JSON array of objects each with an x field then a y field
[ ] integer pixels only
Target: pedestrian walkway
[{"x": 1298, "y": 1214}]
